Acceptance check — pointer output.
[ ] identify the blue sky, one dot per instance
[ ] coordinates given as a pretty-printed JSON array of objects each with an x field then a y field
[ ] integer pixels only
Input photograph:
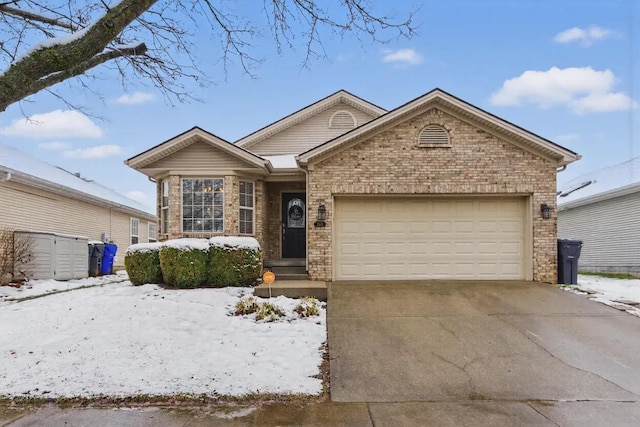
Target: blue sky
[{"x": 564, "y": 70}]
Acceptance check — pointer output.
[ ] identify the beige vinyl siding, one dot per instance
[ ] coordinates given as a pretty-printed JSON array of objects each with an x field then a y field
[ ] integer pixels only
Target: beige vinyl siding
[
  {"x": 199, "y": 156},
  {"x": 610, "y": 231},
  {"x": 307, "y": 134},
  {"x": 31, "y": 209}
]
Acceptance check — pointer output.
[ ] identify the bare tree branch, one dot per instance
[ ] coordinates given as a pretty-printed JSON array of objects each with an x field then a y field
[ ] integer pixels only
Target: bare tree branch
[
  {"x": 82, "y": 67},
  {"x": 78, "y": 38},
  {"x": 35, "y": 17},
  {"x": 42, "y": 63}
]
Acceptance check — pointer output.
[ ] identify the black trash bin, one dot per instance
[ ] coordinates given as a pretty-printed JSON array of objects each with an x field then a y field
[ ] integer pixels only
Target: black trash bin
[
  {"x": 96, "y": 251},
  {"x": 568, "y": 255}
]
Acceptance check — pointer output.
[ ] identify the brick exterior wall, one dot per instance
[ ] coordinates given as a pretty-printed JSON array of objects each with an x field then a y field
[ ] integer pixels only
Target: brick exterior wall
[
  {"x": 477, "y": 163},
  {"x": 231, "y": 208}
]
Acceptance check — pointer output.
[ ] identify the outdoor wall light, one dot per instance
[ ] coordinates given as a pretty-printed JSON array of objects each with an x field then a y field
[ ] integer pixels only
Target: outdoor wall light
[
  {"x": 545, "y": 209},
  {"x": 321, "y": 217}
]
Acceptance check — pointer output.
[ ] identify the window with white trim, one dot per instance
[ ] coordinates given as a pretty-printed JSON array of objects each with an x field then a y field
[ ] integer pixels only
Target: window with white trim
[
  {"x": 434, "y": 136},
  {"x": 246, "y": 207},
  {"x": 153, "y": 235},
  {"x": 202, "y": 205},
  {"x": 133, "y": 230},
  {"x": 342, "y": 119},
  {"x": 164, "y": 207}
]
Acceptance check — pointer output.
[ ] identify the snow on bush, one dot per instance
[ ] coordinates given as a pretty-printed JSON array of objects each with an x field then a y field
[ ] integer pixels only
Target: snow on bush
[
  {"x": 187, "y": 244},
  {"x": 143, "y": 247},
  {"x": 235, "y": 242}
]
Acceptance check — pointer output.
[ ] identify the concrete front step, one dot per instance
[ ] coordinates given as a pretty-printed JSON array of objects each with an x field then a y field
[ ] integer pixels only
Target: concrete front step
[
  {"x": 285, "y": 262},
  {"x": 288, "y": 270},
  {"x": 293, "y": 289},
  {"x": 291, "y": 276}
]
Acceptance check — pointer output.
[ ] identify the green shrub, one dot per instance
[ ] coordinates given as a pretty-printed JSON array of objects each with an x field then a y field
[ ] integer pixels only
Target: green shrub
[
  {"x": 142, "y": 262},
  {"x": 185, "y": 262},
  {"x": 307, "y": 307},
  {"x": 269, "y": 312},
  {"x": 246, "y": 305},
  {"x": 234, "y": 261}
]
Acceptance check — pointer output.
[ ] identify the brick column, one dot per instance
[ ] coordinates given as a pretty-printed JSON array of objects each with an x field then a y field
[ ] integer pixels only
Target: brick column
[
  {"x": 175, "y": 206},
  {"x": 231, "y": 205}
]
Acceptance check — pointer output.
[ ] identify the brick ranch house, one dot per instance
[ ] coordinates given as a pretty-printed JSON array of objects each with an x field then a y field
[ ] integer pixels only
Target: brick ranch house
[{"x": 434, "y": 189}]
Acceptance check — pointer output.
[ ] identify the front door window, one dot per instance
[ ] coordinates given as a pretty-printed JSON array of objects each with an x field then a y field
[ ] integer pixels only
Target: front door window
[{"x": 295, "y": 213}]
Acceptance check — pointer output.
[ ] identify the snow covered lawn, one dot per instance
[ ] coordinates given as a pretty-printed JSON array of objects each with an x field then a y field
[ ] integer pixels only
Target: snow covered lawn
[
  {"x": 121, "y": 340},
  {"x": 36, "y": 288},
  {"x": 623, "y": 294}
]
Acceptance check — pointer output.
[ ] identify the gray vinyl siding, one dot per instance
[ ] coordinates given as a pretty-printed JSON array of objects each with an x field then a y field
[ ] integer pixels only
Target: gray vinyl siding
[
  {"x": 32, "y": 209},
  {"x": 610, "y": 230},
  {"x": 199, "y": 156},
  {"x": 306, "y": 134}
]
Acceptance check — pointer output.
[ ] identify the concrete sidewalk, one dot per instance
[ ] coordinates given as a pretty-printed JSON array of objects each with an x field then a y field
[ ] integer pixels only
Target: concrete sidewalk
[{"x": 476, "y": 413}]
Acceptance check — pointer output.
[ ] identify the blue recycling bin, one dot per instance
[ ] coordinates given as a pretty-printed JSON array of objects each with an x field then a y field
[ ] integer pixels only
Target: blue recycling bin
[{"x": 108, "y": 257}]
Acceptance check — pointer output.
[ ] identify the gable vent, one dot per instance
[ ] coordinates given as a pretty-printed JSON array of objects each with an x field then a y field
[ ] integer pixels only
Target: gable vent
[
  {"x": 433, "y": 135},
  {"x": 342, "y": 120}
]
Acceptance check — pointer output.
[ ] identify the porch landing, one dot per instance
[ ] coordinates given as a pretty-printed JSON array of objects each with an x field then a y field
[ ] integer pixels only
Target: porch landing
[{"x": 293, "y": 289}]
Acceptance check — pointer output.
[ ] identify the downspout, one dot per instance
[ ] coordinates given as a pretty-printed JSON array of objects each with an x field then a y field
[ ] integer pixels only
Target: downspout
[
  {"x": 152, "y": 179},
  {"x": 306, "y": 183},
  {"x": 561, "y": 168},
  {"x": 6, "y": 177}
]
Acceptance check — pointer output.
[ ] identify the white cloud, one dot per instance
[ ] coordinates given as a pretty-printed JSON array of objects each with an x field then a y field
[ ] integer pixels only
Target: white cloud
[
  {"x": 56, "y": 124},
  {"x": 403, "y": 57},
  {"x": 54, "y": 146},
  {"x": 137, "y": 195},
  {"x": 583, "y": 90},
  {"x": 135, "y": 98},
  {"x": 585, "y": 36},
  {"x": 96, "y": 152}
]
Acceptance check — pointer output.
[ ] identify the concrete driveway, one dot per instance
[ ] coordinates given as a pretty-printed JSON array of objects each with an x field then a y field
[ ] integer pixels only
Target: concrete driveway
[{"x": 474, "y": 350}]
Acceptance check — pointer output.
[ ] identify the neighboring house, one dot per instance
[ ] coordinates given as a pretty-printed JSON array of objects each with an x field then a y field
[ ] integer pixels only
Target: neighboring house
[
  {"x": 37, "y": 196},
  {"x": 436, "y": 188},
  {"x": 602, "y": 209}
]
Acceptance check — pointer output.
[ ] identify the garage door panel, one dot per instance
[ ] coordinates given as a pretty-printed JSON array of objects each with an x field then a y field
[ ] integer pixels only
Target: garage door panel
[{"x": 400, "y": 238}]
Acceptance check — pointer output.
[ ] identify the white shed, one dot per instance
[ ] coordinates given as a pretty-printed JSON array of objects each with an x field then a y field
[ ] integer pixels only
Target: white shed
[{"x": 57, "y": 256}]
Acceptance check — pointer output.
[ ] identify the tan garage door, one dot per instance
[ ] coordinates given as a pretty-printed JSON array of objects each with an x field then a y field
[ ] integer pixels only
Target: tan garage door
[{"x": 426, "y": 238}]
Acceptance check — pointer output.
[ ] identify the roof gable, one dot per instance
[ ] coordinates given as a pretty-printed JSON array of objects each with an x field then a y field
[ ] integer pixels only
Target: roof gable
[
  {"x": 341, "y": 96},
  {"x": 450, "y": 104},
  {"x": 613, "y": 181},
  {"x": 186, "y": 139},
  {"x": 29, "y": 170},
  {"x": 311, "y": 132}
]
